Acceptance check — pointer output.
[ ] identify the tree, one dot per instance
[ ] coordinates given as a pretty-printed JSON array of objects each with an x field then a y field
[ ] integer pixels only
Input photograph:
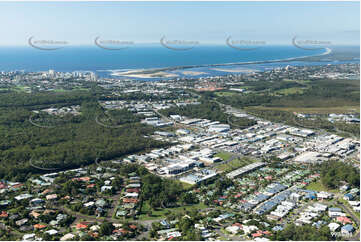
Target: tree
[
  {"x": 106, "y": 228},
  {"x": 188, "y": 198}
]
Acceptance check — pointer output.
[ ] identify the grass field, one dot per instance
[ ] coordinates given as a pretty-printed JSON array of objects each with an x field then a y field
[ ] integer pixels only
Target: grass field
[
  {"x": 318, "y": 186},
  {"x": 298, "y": 81},
  {"x": 234, "y": 164},
  {"x": 59, "y": 90},
  {"x": 226, "y": 93},
  {"x": 292, "y": 90},
  {"x": 184, "y": 185},
  {"x": 224, "y": 155},
  {"x": 157, "y": 214},
  {"x": 20, "y": 89}
]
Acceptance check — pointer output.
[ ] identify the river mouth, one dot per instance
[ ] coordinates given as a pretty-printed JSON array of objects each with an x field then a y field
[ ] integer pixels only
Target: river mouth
[{"x": 201, "y": 70}]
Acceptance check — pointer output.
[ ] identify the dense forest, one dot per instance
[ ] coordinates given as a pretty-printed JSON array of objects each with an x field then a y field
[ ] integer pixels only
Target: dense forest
[
  {"x": 208, "y": 110},
  {"x": 158, "y": 192},
  {"x": 317, "y": 123},
  {"x": 45, "y": 99},
  {"x": 335, "y": 172},
  {"x": 263, "y": 98},
  {"x": 303, "y": 233},
  {"x": 320, "y": 93},
  {"x": 64, "y": 142},
  {"x": 117, "y": 117}
]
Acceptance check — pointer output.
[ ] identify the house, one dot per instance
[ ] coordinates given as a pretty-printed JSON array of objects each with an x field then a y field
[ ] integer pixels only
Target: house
[
  {"x": 344, "y": 220},
  {"x": 277, "y": 228},
  {"x": 99, "y": 211},
  {"x": 233, "y": 229},
  {"x": 39, "y": 226},
  {"x": 130, "y": 200},
  {"x": 344, "y": 187},
  {"x": 261, "y": 239},
  {"x": 36, "y": 201},
  {"x": 95, "y": 228},
  {"x": 121, "y": 213},
  {"x": 91, "y": 185},
  {"x": 4, "y": 214},
  {"x": 52, "y": 232},
  {"x": 324, "y": 195},
  {"x": 49, "y": 211},
  {"x": 333, "y": 226},
  {"x": 348, "y": 197},
  {"x": 89, "y": 204},
  {"x": 83, "y": 179},
  {"x": 173, "y": 234},
  {"x": 334, "y": 212},
  {"x": 105, "y": 188},
  {"x": 68, "y": 236},
  {"x": 28, "y": 237},
  {"x": 34, "y": 214},
  {"x": 5, "y": 203},
  {"x": 257, "y": 234},
  {"x": 23, "y": 196},
  {"x": 46, "y": 191},
  {"x": 54, "y": 223},
  {"x": 248, "y": 229},
  {"x": 131, "y": 194},
  {"x": 165, "y": 224},
  {"x": 100, "y": 203},
  {"x": 21, "y": 222},
  {"x": 133, "y": 226},
  {"x": 51, "y": 197},
  {"x": 25, "y": 228},
  {"x": 347, "y": 230},
  {"x": 320, "y": 207},
  {"x": 81, "y": 225},
  {"x": 60, "y": 217},
  {"x": 354, "y": 203}
]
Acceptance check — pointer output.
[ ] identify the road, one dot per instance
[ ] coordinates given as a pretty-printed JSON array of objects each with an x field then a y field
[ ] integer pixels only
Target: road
[{"x": 356, "y": 237}]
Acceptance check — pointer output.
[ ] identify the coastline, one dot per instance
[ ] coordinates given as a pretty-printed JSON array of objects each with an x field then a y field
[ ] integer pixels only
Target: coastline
[{"x": 162, "y": 72}]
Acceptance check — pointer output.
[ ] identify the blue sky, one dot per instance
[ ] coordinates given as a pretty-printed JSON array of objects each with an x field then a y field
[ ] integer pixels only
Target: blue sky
[{"x": 207, "y": 22}]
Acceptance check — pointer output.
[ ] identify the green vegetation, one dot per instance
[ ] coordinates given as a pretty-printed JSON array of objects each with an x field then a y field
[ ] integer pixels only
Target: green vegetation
[
  {"x": 225, "y": 93},
  {"x": 317, "y": 123},
  {"x": 148, "y": 213},
  {"x": 160, "y": 193},
  {"x": 303, "y": 233},
  {"x": 187, "y": 219},
  {"x": 117, "y": 117},
  {"x": 334, "y": 172},
  {"x": 321, "y": 93},
  {"x": 106, "y": 228},
  {"x": 318, "y": 186},
  {"x": 291, "y": 90},
  {"x": 224, "y": 155},
  {"x": 312, "y": 110},
  {"x": 63, "y": 143},
  {"x": 277, "y": 100},
  {"x": 234, "y": 164},
  {"x": 45, "y": 99}
]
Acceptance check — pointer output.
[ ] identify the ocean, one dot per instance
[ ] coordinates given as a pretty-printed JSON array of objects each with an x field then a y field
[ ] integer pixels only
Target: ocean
[{"x": 103, "y": 62}]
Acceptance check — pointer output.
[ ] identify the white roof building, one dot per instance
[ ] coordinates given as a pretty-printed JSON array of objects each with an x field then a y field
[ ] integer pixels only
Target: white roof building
[
  {"x": 233, "y": 229},
  {"x": 333, "y": 226}
]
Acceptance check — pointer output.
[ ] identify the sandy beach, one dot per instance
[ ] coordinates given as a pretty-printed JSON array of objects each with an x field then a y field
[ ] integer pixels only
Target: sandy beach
[
  {"x": 141, "y": 73},
  {"x": 239, "y": 70}
]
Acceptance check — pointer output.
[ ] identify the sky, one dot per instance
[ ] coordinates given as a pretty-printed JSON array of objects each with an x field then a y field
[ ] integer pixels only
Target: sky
[{"x": 79, "y": 23}]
